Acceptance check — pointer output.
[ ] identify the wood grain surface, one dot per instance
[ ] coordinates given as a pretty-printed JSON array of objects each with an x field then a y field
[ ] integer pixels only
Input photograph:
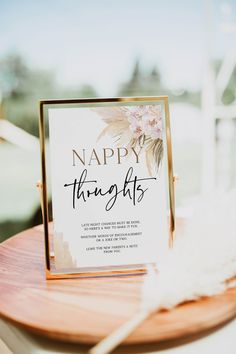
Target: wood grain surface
[{"x": 86, "y": 310}]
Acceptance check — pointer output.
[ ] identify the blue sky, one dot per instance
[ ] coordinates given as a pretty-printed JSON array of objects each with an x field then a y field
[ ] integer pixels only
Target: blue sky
[{"x": 98, "y": 41}]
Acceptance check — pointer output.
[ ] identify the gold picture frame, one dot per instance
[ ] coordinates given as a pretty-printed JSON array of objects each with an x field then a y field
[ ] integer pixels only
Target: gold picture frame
[{"x": 51, "y": 273}]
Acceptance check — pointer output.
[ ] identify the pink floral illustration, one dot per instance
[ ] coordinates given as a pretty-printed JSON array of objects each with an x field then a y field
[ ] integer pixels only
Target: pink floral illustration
[
  {"x": 145, "y": 120},
  {"x": 132, "y": 125}
]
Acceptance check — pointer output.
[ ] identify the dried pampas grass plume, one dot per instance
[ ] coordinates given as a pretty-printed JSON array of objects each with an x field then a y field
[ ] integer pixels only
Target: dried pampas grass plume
[{"x": 201, "y": 264}]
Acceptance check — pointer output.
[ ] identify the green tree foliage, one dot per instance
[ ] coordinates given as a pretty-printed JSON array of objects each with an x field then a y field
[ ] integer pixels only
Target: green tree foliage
[
  {"x": 149, "y": 83},
  {"x": 22, "y": 88},
  {"x": 141, "y": 83}
]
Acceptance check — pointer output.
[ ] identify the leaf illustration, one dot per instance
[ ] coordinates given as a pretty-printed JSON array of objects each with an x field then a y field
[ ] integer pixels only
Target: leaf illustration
[
  {"x": 115, "y": 128},
  {"x": 111, "y": 115},
  {"x": 154, "y": 153},
  {"x": 140, "y": 126}
]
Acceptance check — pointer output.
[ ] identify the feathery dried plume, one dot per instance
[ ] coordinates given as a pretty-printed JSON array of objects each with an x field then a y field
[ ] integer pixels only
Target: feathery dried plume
[{"x": 201, "y": 264}]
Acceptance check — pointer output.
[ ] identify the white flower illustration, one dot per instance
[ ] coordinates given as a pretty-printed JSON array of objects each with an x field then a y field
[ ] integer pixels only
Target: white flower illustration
[
  {"x": 132, "y": 125},
  {"x": 145, "y": 120}
]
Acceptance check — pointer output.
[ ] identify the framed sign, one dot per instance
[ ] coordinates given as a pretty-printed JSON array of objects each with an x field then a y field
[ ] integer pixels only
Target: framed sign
[{"x": 110, "y": 176}]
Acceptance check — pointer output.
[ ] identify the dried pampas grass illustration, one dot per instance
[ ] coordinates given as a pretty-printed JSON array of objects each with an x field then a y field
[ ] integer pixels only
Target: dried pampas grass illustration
[{"x": 132, "y": 126}]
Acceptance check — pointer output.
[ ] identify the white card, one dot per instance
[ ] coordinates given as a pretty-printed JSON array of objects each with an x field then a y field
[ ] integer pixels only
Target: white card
[{"x": 109, "y": 184}]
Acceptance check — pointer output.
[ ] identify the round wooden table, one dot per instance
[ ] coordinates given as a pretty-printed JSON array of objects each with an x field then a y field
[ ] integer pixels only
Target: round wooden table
[{"x": 86, "y": 310}]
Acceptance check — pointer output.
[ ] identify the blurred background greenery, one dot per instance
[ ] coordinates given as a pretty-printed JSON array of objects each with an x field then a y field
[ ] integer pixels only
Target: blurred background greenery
[{"x": 91, "y": 60}]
